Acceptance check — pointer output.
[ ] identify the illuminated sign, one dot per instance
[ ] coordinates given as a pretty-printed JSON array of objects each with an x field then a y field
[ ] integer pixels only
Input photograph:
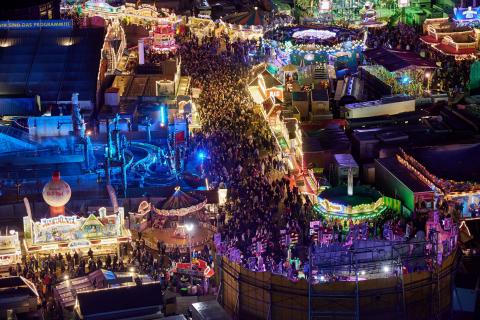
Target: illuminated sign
[
  {"x": 32, "y": 24},
  {"x": 222, "y": 196},
  {"x": 325, "y": 6},
  {"x": 403, "y": 3},
  {"x": 58, "y": 221},
  {"x": 466, "y": 13},
  {"x": 275, "y": 93},
  {"x": 7, "y": 259},
  {"x": 50, "y": 247},
  {"x": 79, "y": 244},
  {"x": 108, "y": 241}
]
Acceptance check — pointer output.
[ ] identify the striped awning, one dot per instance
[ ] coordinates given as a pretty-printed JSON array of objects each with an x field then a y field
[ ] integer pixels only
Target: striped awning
[{"x": 249, "y": 18}]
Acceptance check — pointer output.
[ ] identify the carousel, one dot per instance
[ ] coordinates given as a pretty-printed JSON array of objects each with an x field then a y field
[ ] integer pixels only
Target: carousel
[
  {"x": 245, "y": 25},
  {"x": 303, "y": 45},
  {"x": 166, "y": 222},
  {"x": 350, "y": 203},
  {"x": 362, "y": 204}
]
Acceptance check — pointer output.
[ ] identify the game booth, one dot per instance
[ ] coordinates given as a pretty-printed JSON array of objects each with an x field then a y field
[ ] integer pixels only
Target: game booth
[
  {"x": 199, "y": 270},
  {"x": 10, "y": 250},
  {"x": 102, "y": 232},
  {"x": 463, "y": 193}
]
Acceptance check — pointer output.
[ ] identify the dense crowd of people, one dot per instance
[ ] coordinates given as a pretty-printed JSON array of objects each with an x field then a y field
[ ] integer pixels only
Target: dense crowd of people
[
  {"x": 265, "y": 212},
  {"x": 46, "y": 271},
  {"x": 243, "y": 155}
]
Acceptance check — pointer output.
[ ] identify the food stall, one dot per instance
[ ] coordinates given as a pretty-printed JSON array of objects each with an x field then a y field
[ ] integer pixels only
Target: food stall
[
  {"x": 103, "y": 233},
  {"x": 199, "y": 270},
  {"x": 10, "y": 250},
  {"x": 201, "y": 27}
]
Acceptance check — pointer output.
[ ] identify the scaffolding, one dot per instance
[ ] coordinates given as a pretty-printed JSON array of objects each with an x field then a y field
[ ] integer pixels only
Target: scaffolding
[
  {"x": 367, "y": 259},
  {"x": 425, "y": 293}
]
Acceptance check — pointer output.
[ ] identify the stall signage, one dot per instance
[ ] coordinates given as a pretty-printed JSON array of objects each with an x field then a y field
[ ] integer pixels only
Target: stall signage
[
  {"x": 50, "y": 247},
  {"x": 7, "y": 259},
  {"x": 108, "y": 241},
  {"x": 314, "y": 224},
  {"x": 59, "y": 220},
  {"x": 32, "y": 24},
  {"x": 275, "y": 93},
  {"x": 79, "y": 244}
]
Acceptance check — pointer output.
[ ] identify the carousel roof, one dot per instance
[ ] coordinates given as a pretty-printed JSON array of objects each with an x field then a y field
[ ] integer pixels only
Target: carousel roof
[
  {"x": 179, "y": 200},
  {"x": 180, "y": 204},
  {"x": 249, "y": 18}
]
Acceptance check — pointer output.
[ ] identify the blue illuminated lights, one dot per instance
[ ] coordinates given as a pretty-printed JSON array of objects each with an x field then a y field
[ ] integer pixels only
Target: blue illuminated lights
[
  {"x": 405, "y": 79},
  {"x": 162, "y": 115}
]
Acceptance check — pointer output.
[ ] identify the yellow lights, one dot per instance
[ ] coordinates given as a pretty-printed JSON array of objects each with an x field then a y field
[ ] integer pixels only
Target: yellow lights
[
  {"x": 66, "y": 42},
  {"x": 462, "y": 224},
  {"x": 5, "y": 43},
  {"x": 222, "y": 196},
  {"x": 189, "y": 227},
  {"x": 440, "y": 186}
]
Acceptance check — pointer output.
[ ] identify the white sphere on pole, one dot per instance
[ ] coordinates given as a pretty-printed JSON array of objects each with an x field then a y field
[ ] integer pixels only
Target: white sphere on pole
[{"x": 56, "y": 193}]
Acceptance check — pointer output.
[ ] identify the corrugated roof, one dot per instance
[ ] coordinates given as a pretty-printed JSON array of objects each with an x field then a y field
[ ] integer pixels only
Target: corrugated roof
[
  {"x": 403, "y": 174},
  {"x": 330, "y": 138},
  {"x": 396, "y": 60},
  {"x": 120, "y": 299},
  {"x": 454, "y": 162},
  {"x": 52, "y": 63}
]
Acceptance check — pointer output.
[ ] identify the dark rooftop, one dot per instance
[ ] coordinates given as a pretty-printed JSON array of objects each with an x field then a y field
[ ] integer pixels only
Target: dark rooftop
[
  {"x": 320, "y": 95},
  {"x": 300, "y": 96},
  {"x": 211, "y": 310},
  {"x": 397, "y": 60},
  {"x": 16, "y": 286},
  {"x": 117, "y": 300},
  {"x": 403, "y": 174},
  {"x": 52, "y": 63},
  {"x": 329, "y": 138},
  {"x": 456, "y": 162},
  {"x": 24, "y": 3}
]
